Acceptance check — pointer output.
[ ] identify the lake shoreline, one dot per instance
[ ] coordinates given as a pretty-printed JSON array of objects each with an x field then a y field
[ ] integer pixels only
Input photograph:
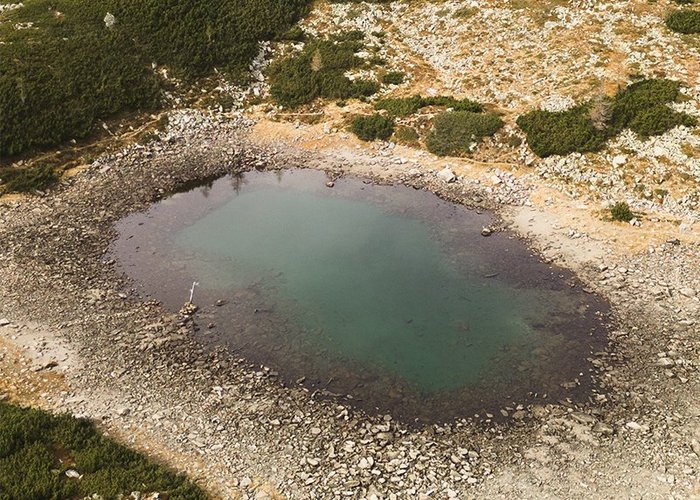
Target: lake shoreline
[{"x": 139, "y": 369}]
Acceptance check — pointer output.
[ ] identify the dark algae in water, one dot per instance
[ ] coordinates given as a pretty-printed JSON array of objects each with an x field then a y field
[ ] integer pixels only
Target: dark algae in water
[{"x": 385, "y": 296}]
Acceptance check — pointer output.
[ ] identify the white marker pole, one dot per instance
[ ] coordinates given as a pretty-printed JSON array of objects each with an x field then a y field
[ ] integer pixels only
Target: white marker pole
[{"x": 194, "y": 284}]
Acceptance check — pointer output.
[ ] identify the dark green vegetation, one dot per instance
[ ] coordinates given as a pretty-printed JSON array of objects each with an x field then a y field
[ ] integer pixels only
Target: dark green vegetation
[
  {"x": 454, "y": 132},
  {"x": 36, "y": 449},
  {"x": 406, "y": 135},
  {"x": 563, "y": 132},
  {"x": 684, "y": 21},
  {"x": 18, "y": 180},
  {"x": 393, "y": 78},
  {"x": 406, "y": 106},
  {"x": 370, "y": 128},
  {"x": 641, "y": 107},
  {"x": 318, "y": 71},
  {"x": 621, "y": 212},
  {"x": 69, "y": 69}
]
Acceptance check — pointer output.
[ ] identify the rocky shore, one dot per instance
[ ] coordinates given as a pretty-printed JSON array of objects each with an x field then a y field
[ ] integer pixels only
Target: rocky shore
[{"x": 140, "y": 371}]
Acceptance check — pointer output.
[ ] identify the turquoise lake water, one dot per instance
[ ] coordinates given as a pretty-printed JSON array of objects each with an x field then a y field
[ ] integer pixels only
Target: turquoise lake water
[{"x": 388, "y": 296}]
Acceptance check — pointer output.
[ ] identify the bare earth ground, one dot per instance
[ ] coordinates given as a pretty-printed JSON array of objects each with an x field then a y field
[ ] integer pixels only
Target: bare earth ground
[{"x": 75, "y": 344}]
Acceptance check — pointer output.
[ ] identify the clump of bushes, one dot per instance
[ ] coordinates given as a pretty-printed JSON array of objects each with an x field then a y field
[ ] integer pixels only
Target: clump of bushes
[
  {"x": 373, "y": 127},
  {"x": 622, "y": 212},
  {"x": 644, "y": 102},
  {"x": 36, "y": 450},
  {"x": 27, "y": 180},
  {"x": 455, "y": 132},
  {"x": 406, "y": 106},
  {"x": 684, "y": 21},
  {"x": 319, "y": 71},
  {"x": 70, "y": 69},
  {"x": 641, "y": 107},
  {"x": 393, "y": 78},
  {"x": 562, "y": 132}
]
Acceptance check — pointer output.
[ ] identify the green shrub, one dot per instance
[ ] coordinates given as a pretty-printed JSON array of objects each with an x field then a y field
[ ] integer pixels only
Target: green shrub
[
  {"x": 293, "y": 83},
  {"x": 406, "y": 106},
  {"x": 465, "y": 12},
  {"x": 406, "y": 135},
  {"x": 293, "y": 34},
  {"x": 393, "y": 78},
  {"x": 376, "y": 61},
  {"x": 69, "y": 70},
  {"x": 642, "y": 107},
  {"x": 621, "y": 211},
  {"x": 370, "y": 128},
  {"x": 454, "y": 132},
  {"x": 350, "y": 36},
  {"x": 400, "y": 106},
  {"x": 364, "y": 88},
  {"x": 684, "y": 2},
  {"x": 33, "y": 442},
  {"x": 639, "y": 97},
  {"x": 561, "y": 133},
  {"x": 319, "y": 71},
  {"x": 658, "y": 119},
  {"x": 26, "y": 180},
  {"x": 684, "y": 21}
]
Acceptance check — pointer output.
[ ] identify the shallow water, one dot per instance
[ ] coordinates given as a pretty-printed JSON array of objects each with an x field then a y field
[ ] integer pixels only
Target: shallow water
[{"x": 387, "y": 295}]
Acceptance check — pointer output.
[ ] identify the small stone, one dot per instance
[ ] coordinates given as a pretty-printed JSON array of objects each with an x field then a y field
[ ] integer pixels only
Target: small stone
[
  {"x": 330, "y": 184},
  {"x": 73, "y": 474},
  {"x": 446, "y": 175},
  {"x": 486, "y": 231},
  {"x": 637, "y": 427},
  {"x": 583, "y": 418},
  {"x": 603, "y": 428},
  {"x": 695, "y": 446},
  {"x": 4, "y": 322},
  {"x": 519, "y": 415},
  {"x": 385, "y": 436},
  {"x": 110, "y": 20},
  {"x": 665, "y": 362},
  {"x": 619, "y": 160},
  {"x": 123, "y": 411}
]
